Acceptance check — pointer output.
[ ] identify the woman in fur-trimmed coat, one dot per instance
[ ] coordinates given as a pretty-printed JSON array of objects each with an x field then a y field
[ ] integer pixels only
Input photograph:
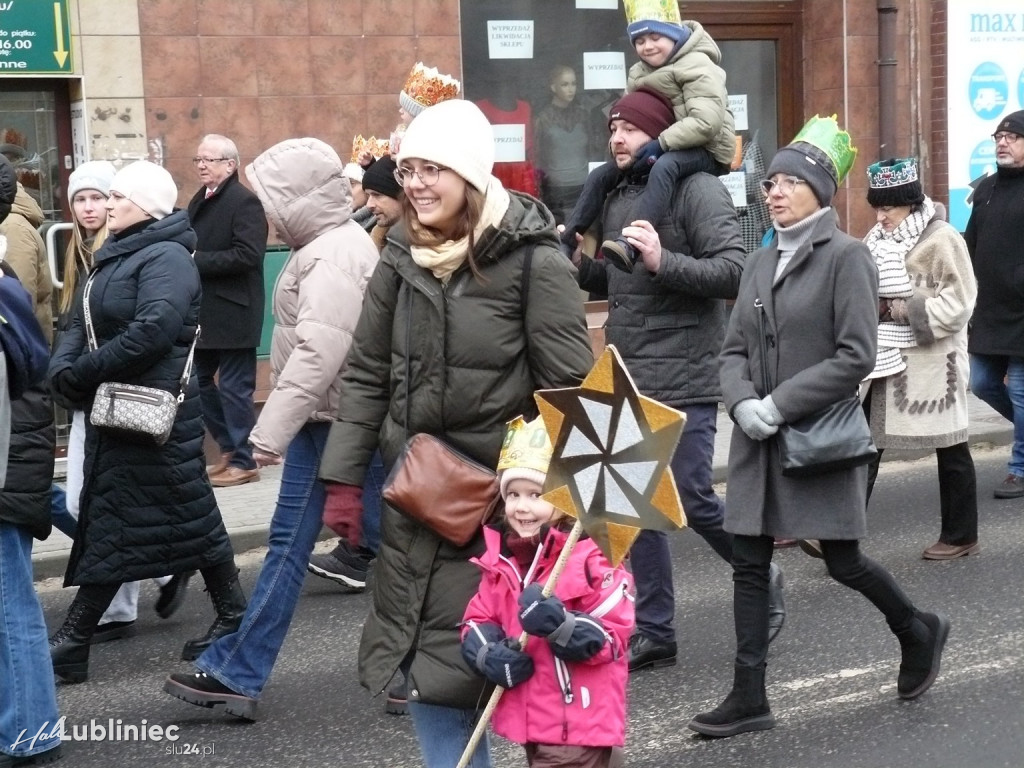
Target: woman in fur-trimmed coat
[{"x": 923, "y": 403}]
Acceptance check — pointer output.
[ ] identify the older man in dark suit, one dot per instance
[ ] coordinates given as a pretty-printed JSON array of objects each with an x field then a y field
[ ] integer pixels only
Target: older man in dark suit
[{"x": 232, "y": 231}]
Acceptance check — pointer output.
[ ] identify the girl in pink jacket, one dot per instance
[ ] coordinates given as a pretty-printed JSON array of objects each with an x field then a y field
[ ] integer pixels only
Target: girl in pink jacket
[{"x": 566, "y": 697}]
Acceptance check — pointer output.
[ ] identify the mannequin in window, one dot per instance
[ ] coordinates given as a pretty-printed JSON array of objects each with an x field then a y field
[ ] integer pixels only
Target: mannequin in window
[
  {"x": 504, "y": 107},
  {"x": 561, "y": 139}
]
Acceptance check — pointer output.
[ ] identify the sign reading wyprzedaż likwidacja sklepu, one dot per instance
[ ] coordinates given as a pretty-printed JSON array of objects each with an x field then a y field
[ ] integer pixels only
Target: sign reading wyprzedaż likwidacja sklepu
[{"x": 35, "y": 37}]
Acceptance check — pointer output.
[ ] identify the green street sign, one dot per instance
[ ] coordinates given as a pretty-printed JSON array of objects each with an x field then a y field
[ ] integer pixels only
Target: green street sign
[{"x": 35, "y": 37}]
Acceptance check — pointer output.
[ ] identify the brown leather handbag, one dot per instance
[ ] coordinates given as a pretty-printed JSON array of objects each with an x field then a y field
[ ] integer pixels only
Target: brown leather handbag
[
  {"x": 434, "y": 484},
  {"x": 441, "y": 488}
]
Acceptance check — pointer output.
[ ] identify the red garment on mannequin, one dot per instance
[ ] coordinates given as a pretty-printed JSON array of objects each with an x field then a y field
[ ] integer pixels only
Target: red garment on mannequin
[{"x": 519, "y": 176}]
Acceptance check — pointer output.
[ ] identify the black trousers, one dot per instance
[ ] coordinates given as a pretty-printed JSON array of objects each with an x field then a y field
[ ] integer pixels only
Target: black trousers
[
  {"x": 751, "y": 556},
  {"x": 958, "y": 493}
]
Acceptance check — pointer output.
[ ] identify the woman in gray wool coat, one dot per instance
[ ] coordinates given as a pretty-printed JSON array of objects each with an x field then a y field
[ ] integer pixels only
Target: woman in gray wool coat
[{"x": 819, "y": 349}]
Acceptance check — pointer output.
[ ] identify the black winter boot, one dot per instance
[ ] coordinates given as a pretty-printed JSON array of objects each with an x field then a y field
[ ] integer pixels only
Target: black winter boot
[
  {"x": 922, "y": 645},
  {"x": 69, "y": 646},
  {"x": 229, "y": 602},
  {"x": 744, "y": 709}
]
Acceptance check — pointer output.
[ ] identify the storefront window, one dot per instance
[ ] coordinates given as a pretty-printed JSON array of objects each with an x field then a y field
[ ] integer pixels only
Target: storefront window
[
  {"x": 545, "y": 74},
  {"x": 28, "y": 138}
]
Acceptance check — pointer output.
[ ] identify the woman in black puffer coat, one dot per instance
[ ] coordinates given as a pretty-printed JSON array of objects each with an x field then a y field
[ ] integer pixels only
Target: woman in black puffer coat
[{"x": 146, "y": 510}]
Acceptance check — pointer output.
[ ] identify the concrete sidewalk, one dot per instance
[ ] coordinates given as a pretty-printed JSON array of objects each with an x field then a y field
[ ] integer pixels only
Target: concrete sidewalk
[{"x": 247, "y": 509}]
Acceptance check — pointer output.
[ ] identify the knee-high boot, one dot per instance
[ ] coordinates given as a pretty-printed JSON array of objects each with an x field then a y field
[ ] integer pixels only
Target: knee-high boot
[
  {"x": 69, "y": 645},
  {"x": 229, "y": 603}
]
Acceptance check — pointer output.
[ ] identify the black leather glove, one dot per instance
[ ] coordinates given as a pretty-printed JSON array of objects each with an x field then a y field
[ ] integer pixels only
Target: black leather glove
[{"x": 495, "y": 656}]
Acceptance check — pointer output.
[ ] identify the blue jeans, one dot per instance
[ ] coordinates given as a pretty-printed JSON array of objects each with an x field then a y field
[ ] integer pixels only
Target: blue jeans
[
  {"x": 244, "y": 659},
  {"x": 1007, "y": 398},
  {"x": 228, "y": 407},
  {"x": 444, "y": 732},
  {"x": 28, "y": 700},
  {"x": 649, "y": 557}
]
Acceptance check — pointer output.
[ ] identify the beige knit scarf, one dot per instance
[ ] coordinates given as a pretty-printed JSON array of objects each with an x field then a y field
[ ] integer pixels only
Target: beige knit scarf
[{"x": 444, "y": 259}]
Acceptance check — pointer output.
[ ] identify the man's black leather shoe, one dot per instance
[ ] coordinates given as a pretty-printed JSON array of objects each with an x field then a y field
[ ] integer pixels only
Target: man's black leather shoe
[{"x": 644, "y": 652}]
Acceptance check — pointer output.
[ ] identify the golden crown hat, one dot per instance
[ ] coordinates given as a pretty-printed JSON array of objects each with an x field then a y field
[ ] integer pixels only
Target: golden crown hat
[
  {"x": 526, "y": 446},
  {"x": 376, "y": 147},
  {"x": 427, "y": 86},
  {"x": 655, "y": 10},
  {"x": 825, "y": 134}
]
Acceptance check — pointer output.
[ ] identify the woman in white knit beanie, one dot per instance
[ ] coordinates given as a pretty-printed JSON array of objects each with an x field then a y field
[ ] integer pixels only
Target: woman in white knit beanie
[{"x": 471, "y": 309}]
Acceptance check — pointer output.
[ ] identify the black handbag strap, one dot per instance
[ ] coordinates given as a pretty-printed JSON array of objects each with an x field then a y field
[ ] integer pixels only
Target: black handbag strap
[
  {"x": 763, "y": 341},
  {"x": 90, "y": 335},
  {"x": 524, "y": 293}
]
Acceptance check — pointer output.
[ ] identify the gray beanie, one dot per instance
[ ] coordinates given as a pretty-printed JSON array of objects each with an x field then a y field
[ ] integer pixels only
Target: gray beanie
[{"x": 807, "y": 162}]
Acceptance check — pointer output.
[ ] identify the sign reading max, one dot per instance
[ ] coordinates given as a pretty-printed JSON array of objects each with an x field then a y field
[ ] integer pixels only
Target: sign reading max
[{"x": 35, "y": 37}]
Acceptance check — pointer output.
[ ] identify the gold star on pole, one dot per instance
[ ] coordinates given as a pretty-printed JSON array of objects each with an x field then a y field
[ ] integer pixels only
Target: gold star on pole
[{"x": 612, "y": 447}]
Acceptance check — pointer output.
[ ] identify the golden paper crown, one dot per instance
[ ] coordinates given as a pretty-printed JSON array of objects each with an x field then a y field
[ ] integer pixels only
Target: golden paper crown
[
  {"x": 376, "y": 147},
  {"x": 526, "y": 446},
  {"x": 655, "y": 10},
  {"x": 427, "y": 87},
  {"x": 825, "y": 134}
]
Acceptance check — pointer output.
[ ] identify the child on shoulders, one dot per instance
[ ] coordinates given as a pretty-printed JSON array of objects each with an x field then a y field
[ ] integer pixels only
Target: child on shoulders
[{"x": 680, "y": 62}]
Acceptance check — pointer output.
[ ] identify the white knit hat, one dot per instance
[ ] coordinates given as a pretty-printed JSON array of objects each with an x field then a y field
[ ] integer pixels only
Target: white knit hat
[
  {"x": 519, "y": 473},
  {"x": 95, "y": 174},
  {"x": 454, "y": 134},
  {"x": 148, "y": 186},
  {"x": 353, "y": 172}
]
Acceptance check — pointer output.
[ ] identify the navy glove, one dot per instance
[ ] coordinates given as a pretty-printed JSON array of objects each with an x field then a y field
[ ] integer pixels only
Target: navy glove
[
  {"x": 573, "y": 636},
  {"x": 539, "y": 615},
  {"x": 649, "y": 153},
  {"x": 66, "y": 385},
  {"x": 495, "y": 656}
]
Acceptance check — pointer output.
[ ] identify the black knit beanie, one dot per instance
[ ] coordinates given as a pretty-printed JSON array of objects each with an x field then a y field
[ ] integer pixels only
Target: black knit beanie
[
  {"x": 894, "y": 182},
  {"x": 807, "y": 162},
  {"x": 380, "y": 177}
]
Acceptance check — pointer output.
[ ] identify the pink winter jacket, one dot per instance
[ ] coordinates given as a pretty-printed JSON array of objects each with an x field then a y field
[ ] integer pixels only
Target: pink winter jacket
[{"x": 592, "y": 709}]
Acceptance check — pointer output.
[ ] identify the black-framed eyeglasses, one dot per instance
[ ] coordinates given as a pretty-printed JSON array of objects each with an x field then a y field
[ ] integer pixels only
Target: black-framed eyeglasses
[
  {"x": 427, "y": 174},
  {"x": 785, "y": 185},
  {"x": 1008, "y": 136},
  {"x": 209, "y": 160}
]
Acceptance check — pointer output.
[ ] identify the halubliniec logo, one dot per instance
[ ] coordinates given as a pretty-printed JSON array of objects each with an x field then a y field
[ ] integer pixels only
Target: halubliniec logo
[{"x": 96, "y": 730}]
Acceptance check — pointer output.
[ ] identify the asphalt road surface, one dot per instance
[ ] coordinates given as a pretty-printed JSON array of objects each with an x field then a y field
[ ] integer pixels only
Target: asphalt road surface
[{"x": 831, "y": 673}]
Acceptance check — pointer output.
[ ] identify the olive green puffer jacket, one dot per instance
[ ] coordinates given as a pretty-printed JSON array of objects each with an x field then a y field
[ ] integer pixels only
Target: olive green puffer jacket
[{"x": 472, "y": 359}]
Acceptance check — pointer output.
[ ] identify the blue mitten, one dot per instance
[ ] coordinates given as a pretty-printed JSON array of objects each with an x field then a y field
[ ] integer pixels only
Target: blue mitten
[
  {"x": 649, "y": 153},
  {"x": 572, "y": 635},
  {"x": 539, "y": 615},
  {"x": 495, "y": 656},
  {"x": 579, "y": 638}
]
